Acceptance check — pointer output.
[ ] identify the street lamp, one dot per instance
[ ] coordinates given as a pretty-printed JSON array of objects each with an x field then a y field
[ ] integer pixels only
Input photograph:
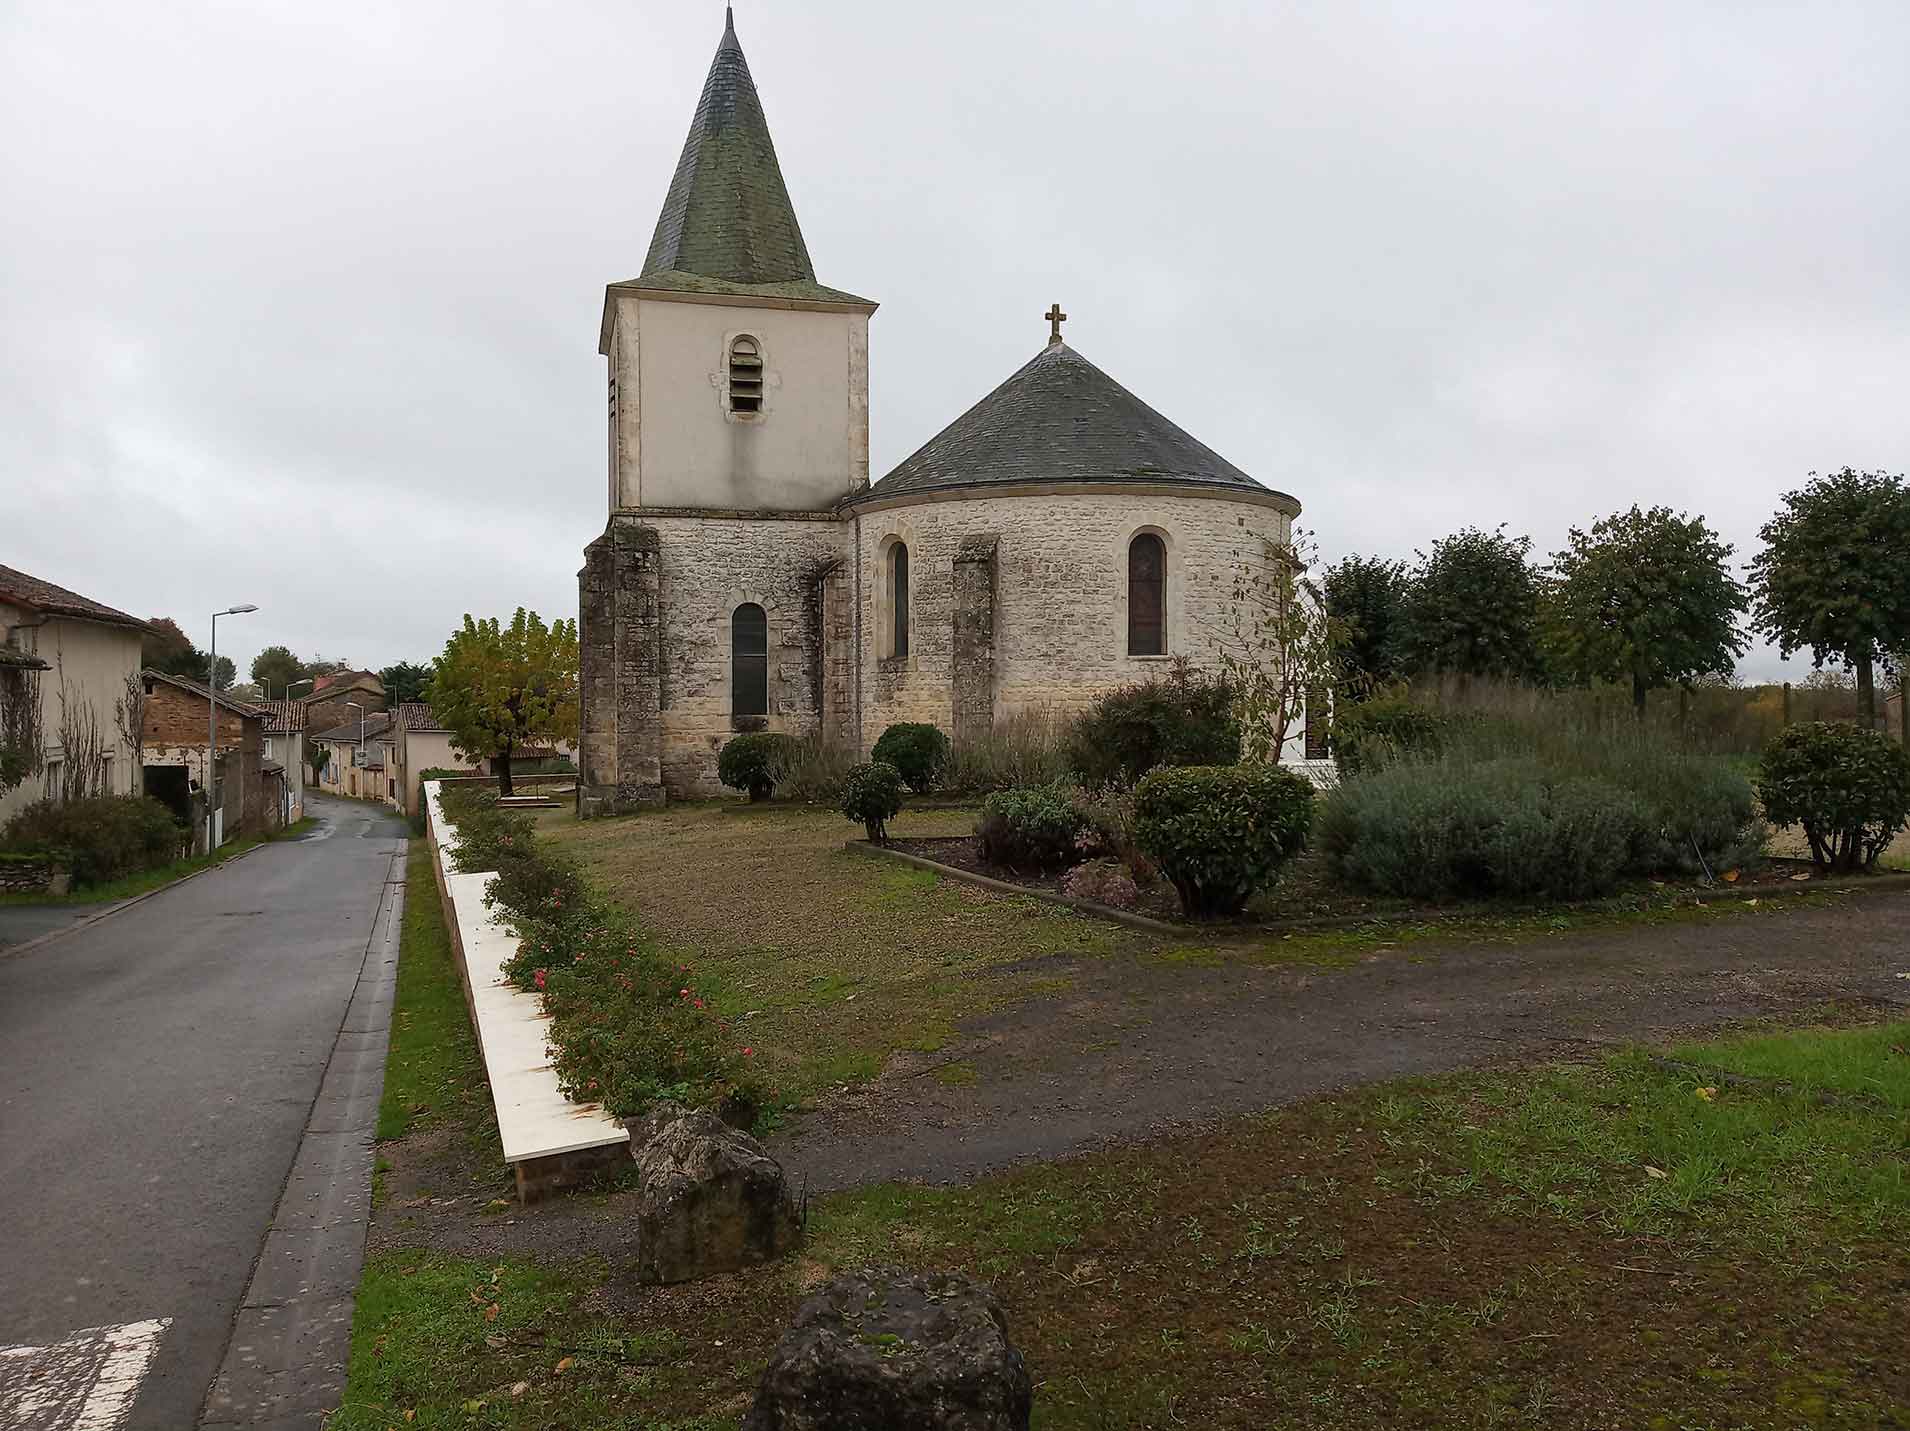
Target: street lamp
[
  {"x": 212, "y": 712},
  {"x": 361, "y": 735}
]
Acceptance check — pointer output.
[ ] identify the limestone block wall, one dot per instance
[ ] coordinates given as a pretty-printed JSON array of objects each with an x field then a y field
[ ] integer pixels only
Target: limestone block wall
[
  {"x": 709, "y": 564},
  {"x": 1059, "y": 594}
]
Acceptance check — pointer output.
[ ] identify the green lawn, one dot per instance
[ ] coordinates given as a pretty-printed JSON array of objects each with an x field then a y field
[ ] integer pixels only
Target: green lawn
[
  {"x": 831, "y": 961},
  {"x": 1613, "y": 1244}
]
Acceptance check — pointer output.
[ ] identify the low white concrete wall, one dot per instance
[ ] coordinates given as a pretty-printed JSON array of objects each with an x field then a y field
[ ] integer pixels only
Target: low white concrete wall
[{"x": 534, "y": 1119}]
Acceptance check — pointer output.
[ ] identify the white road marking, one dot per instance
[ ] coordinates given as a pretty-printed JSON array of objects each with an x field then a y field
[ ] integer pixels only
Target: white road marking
[{"x": 84, "y": 1382}]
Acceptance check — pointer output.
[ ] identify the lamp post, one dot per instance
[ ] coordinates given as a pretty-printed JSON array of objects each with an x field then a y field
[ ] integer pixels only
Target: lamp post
[
  {"x": 361, "y": 735},
  {"x": 212, "y": 711}
]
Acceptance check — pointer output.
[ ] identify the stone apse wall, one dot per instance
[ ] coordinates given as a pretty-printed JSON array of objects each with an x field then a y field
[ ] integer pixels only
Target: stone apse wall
[{"x": 1020, "y": 602}]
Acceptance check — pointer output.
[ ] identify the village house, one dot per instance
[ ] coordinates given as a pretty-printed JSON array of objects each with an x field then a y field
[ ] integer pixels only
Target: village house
[
  {"x": 285, "y": 747},
  {"x": 355, "y": 758},
  {"x": 423, "y": 744},
  {"x": 75, "y": 662},
  {"x": 338, "y": 697},
  {"x": 1057, "y": 540},
  {"x": 250, "y": 789}
]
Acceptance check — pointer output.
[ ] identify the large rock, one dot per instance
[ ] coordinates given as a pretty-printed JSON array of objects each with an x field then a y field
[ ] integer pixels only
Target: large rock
[
  {"x": 709, "y": 1200},
  {"x": 889, "y": 1351}
]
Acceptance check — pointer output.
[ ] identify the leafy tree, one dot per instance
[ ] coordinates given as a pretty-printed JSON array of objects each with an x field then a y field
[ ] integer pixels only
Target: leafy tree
[
  {"x": 1473, "y": 609},
  {"x": 1834, "y": 574},
  {"x": 405, "y": 682},
  {"x": 166, "y": 648},
  {"x": 1366, "y": 598},
  {"x": 1644, "y": 597},
  {"x": 498, "y": 688},
  {"x": 276, "y": 666}
]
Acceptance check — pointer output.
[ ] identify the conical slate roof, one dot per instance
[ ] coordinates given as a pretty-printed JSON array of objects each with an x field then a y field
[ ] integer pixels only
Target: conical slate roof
[
  {"x": 1061, "y": 419},
  {"x": 727, "y": 224}
]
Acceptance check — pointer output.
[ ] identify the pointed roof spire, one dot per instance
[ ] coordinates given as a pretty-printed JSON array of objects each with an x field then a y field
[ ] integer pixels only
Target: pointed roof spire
[{"x": 728, "y": 215}]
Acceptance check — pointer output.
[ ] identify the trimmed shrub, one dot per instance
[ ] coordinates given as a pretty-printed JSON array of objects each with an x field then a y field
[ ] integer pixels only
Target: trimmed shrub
[
  {"x": 1848, "y": 787},
  {"x": 1220, "y": 833},
  {"x": 628, "y": 1025},
  {"x": 1036, "y": 828},
  {"x": 1452, "y": 829},
  {"x": 1371, "y": 733},
  {"x": 753, "y": 763},
  {"x": 872, "y": 793},
  {"x": 918, "y": 751},
  {"x": 103, "y": 837},
  {"x": 1184, "y": 718}
]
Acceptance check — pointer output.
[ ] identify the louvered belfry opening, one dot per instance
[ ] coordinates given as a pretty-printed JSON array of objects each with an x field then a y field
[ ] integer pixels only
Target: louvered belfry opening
[
  {"x": 1146, "y": 596},
  {"x": 749, "y": 661},
  {"x": 746, "y": 375}
]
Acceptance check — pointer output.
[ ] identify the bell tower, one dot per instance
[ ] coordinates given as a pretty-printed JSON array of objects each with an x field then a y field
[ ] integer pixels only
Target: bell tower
[
  {"x": 738, "y": 416},
  {"x": 736, "y": 380}
]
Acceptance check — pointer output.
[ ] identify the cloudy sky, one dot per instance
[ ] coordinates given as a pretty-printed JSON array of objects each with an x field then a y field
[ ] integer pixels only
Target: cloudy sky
[{"x": 299, "y": 303}]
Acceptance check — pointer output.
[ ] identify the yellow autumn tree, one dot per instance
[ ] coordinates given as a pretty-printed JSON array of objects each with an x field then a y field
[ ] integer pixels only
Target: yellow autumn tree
[{"x": 499, "y": 689}]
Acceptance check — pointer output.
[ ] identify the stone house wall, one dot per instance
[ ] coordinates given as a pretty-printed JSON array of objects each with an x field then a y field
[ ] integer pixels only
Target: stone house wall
[{"x": 1058, "y": 596}]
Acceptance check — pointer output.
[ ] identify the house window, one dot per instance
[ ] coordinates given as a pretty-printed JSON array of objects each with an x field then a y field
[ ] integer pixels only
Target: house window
[
  {"x": 106, "y": 774},
  {"x": 1146, "y": 596},
  {"x": 746, "y": 375},
  {"x": 898, "y": 600},
  {"x": 749, "y": 661},
  {"x": 53, "y": 780}
]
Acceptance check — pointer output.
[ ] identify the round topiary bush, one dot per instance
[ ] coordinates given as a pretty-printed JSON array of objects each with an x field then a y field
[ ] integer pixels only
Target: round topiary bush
[
  {"x": 918, "y": 751},
  {"x": 754, "y": 763},
  {"x": 1185, "y": 717},
  {"x": 872, "y": 793},
  {"x": 1036, "y": 827},
  {"x": 1848, "y": 787},
  {"x": 1220, "y": 832}
]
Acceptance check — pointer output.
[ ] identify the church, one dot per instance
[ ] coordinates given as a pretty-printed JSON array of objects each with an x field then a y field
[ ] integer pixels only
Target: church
[{"x": 1058, "y": 539}]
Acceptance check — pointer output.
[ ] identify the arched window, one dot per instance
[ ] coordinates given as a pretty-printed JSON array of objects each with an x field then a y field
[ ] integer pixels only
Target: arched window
[
  {"x": 898, "y": 600},
  {"x": 746, "y": 375},
  {"x": 749, "y": 661},
  {"x": 1146, "y": 596}
]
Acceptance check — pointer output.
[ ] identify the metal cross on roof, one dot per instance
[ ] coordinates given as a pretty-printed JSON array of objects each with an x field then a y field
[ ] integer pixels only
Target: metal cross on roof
[{"x": 1055, "y": 318}]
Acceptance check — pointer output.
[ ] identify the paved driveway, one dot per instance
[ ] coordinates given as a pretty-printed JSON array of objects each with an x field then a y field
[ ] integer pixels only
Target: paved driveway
[{"x": 156, "y": 1072}]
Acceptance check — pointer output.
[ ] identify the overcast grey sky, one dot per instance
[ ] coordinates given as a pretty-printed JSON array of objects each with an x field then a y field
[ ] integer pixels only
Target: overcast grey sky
[{"x": 299, "y": 304}]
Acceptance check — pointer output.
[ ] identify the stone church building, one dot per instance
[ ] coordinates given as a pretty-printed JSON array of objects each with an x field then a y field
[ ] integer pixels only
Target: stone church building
[{"x": 1058, "y": 539}]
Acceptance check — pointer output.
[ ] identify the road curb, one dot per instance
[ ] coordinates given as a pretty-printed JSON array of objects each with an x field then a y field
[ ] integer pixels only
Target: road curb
[{"x": 125, "y": 904}]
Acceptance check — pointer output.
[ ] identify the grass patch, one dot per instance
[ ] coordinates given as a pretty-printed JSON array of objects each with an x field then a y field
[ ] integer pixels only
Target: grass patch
[
  {"x": 1480, "y": 1251},
  {"x": 434, "y": 1070},
  {"x": 829, "y": 962}
]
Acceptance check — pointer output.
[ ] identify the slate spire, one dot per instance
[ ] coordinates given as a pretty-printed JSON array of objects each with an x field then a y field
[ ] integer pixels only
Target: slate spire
[{"x": 728, "y": 215}]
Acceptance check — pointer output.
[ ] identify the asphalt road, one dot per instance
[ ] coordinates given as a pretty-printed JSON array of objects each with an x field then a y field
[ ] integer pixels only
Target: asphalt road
[{"x": 156, "y": 1072}]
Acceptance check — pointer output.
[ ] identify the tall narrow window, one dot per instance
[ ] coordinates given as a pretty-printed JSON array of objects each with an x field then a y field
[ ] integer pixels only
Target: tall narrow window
[
  {"x": 898, "y": 600},
  {"x": 746, "y": 375},
  {"x": 1146, "y": 596},
  {"x": 749, "y": 661}
]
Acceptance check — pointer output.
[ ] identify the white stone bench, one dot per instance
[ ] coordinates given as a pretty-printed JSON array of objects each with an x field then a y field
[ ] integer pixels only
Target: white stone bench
[{"x": 549, "y": 1141}]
